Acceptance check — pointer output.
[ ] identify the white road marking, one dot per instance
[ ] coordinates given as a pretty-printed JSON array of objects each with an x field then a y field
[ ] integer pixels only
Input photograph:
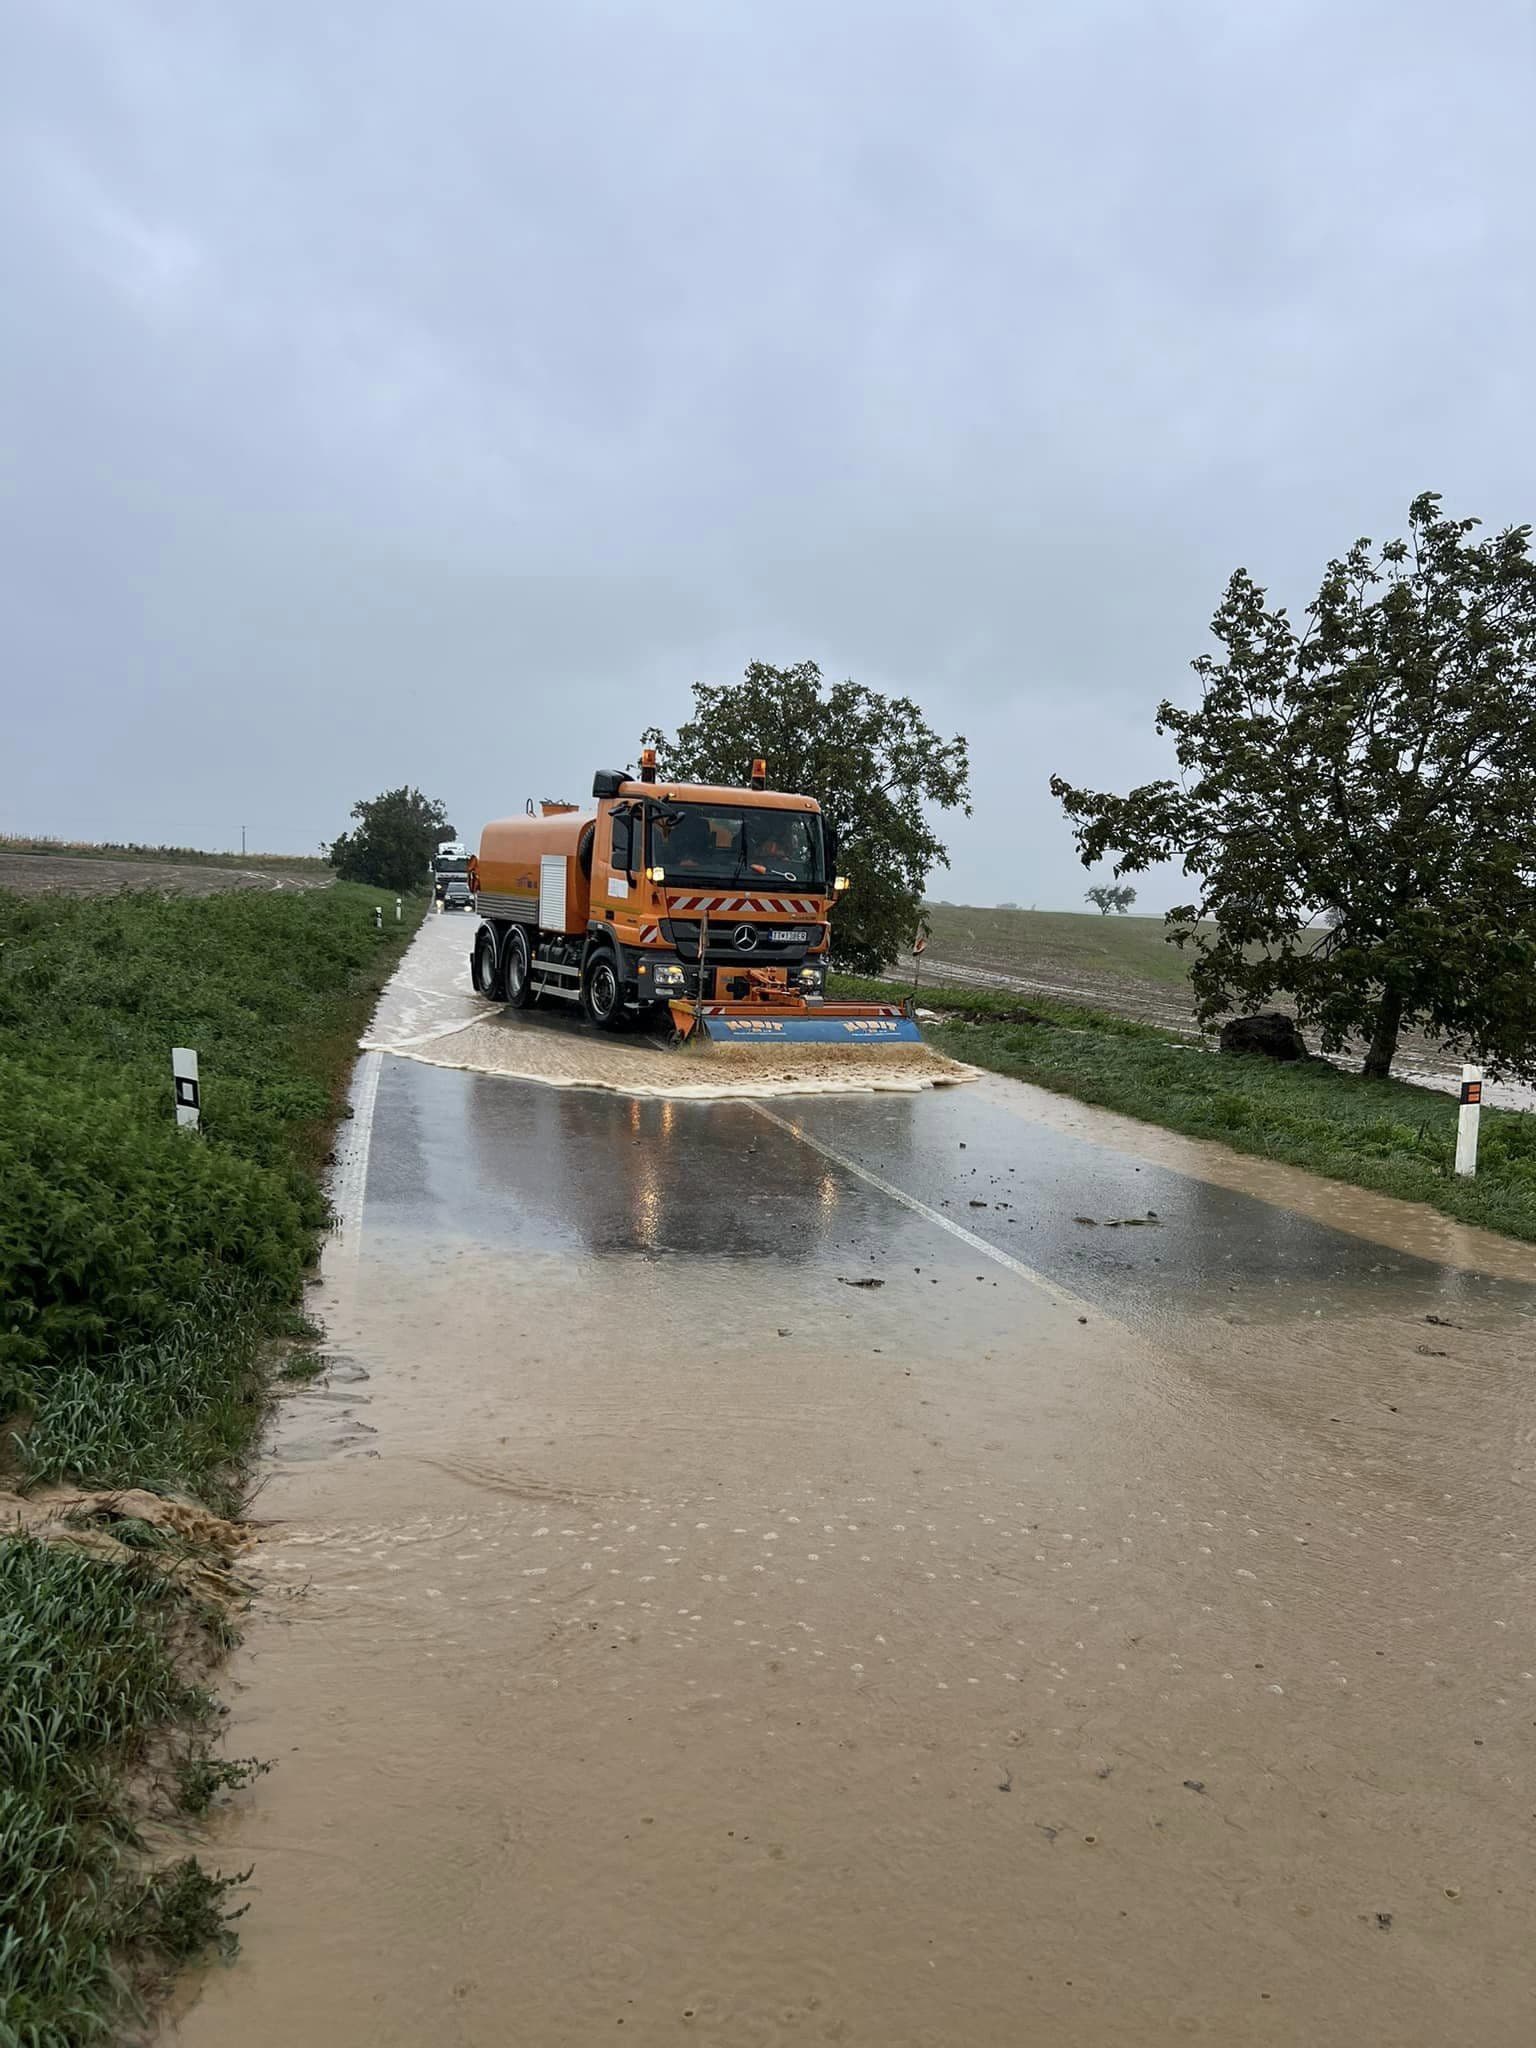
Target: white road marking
[
  {"x": 350, "y": 1184},
  {"x": 968, "y": 1237}
]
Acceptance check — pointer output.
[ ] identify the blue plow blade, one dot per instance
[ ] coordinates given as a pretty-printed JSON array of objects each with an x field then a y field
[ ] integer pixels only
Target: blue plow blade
[{"x": 887, "y": 1026}]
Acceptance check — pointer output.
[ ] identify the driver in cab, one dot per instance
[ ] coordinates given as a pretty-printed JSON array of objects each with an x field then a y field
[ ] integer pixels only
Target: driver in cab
[
  {"x": 685, "y": 843},
  {"x": 771, "y": 854}
]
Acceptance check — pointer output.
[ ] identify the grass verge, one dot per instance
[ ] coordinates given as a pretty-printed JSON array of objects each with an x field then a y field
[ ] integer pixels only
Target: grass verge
[
  {"x": 1385, "y": 1135},
  {"x": 145, "y": 1273}
]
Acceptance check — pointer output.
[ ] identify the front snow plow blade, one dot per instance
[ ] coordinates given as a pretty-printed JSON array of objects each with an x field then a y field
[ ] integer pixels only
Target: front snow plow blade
[{"x": 800, "y": 1022}]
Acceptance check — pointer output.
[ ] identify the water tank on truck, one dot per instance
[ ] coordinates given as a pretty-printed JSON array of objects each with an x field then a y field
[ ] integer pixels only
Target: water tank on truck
[{"x": 699, "y": 906}]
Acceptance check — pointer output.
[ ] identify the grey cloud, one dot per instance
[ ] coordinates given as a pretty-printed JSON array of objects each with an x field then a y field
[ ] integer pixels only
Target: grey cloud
[{"x": 366, "y": 361}]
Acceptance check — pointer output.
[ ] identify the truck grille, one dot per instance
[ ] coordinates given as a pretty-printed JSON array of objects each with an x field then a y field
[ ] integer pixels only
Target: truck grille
[{"x": 768, "y": 950}]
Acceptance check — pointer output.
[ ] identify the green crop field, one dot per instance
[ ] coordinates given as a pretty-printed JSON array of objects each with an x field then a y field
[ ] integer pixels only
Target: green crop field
[
  {"x": 147, "y": 1276},
  {"x": 1058, "y": 945}
]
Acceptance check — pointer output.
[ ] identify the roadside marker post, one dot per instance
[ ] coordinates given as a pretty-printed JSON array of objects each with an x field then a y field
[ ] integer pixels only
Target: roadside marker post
[
  {"x": 185, "y": 1087},
  {"x": 397, "y": 910},
  {"x": 378, "y": 917},
  {"x": 1467, "y": 1120}
]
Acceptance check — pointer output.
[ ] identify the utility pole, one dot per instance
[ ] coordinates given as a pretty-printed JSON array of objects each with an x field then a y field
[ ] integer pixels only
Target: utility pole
[{"x": 242, "y": 842}]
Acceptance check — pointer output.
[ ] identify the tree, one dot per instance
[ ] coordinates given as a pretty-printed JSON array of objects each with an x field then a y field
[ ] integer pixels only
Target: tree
[
  {"x": 393, "y": 842},
  {"x": 1108, "y": 896},
  {"x": 1356, "y": 799},
  {"x": 872, "y": 762}
]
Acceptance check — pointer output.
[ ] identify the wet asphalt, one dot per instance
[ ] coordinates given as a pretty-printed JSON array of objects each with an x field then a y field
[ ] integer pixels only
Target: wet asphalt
[
  {"x": 660, "y": 1628},
  {"x": 512, "y": 1166}
]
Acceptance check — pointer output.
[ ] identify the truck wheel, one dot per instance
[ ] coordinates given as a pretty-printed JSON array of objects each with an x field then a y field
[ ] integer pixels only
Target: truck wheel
[
  {"x": 600, "y": 996},
  {"x": 516, "y": 964},
  {"x": 485, "y": 968}
]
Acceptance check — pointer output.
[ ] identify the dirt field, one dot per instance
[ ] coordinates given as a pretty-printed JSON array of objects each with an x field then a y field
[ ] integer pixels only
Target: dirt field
[{"x": 46, "y": 874}]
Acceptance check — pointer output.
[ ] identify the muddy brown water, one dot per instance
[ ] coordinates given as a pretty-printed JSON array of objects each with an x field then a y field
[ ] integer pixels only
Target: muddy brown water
[{"x": 661, "y": 1639}]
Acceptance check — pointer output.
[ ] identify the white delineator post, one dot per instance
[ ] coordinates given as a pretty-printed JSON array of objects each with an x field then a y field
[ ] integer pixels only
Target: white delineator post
[
  {"x": 184, "y": 1081},
  {"x": 397, "y": 910},
  {"x": 1466, "y": 1122},
  {"x": 378, "y": 917}
]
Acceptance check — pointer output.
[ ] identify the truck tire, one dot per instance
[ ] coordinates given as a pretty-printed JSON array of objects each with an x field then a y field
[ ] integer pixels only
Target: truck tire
[
  {"x": 602, "y": 998},
  {"x": 516, "y": 969},
  {"x": 485, "y": 967}
]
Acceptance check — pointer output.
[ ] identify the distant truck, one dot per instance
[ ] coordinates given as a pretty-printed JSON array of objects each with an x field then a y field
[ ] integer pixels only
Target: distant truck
[
  {"x": 450, "y": 860},
  {"x": 710, "y": 903}
]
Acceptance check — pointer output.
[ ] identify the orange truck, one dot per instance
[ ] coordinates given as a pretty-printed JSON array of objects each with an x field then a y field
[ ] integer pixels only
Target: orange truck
[{"x": 671, "y": 901}]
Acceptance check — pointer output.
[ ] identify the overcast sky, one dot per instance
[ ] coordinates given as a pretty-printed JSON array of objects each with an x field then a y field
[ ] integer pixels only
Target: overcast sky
[{"x": 433, "y": 393}]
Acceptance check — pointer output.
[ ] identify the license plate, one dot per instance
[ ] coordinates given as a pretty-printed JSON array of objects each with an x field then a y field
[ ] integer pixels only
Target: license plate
[{"x": 790, "y": 938}]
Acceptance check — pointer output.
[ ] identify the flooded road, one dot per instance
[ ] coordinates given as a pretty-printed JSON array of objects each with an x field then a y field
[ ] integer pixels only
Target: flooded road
[{"x": 1113, "y": 1627}]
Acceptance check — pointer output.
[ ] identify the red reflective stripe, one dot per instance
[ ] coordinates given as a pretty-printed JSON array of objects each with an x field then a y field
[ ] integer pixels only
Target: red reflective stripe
[{"x": 764, "y": 906}]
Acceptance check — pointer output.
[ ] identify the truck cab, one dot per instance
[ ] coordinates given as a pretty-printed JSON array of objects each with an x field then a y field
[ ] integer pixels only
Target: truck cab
[
  {"x": 449, "y": 863},
  {"x": 661, "y": 894}
]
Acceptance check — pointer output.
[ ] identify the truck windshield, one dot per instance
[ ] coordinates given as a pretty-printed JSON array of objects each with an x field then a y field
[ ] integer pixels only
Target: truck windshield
[{"x": 730, "y": 843}]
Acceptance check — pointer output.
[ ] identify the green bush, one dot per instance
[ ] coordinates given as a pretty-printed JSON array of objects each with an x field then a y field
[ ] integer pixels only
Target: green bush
[
  {"x": 114, "y": 1221},
  {"x": 143, "y": 1270},
  {"x": 130, "y": 1249}
]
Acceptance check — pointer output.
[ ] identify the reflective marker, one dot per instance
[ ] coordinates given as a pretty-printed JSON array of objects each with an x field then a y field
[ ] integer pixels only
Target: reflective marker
[
  {"x": 184, "y": 1082},
  {"x": 1466, "y": 1122}
]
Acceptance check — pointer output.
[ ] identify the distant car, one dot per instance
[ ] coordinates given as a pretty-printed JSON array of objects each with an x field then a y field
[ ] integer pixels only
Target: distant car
[{"x": 457, "y": 894}]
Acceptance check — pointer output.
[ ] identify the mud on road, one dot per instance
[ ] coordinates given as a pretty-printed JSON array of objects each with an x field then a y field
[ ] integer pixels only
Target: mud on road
[
  {"x": 772, "y": 1572},
  {"x": 431, "y": 1013}
]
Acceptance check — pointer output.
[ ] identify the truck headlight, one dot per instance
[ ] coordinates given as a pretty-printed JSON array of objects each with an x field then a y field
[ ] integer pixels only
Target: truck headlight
[
  {"x": 668, "y": 974},
  {"x": 813, "y": 980}
]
